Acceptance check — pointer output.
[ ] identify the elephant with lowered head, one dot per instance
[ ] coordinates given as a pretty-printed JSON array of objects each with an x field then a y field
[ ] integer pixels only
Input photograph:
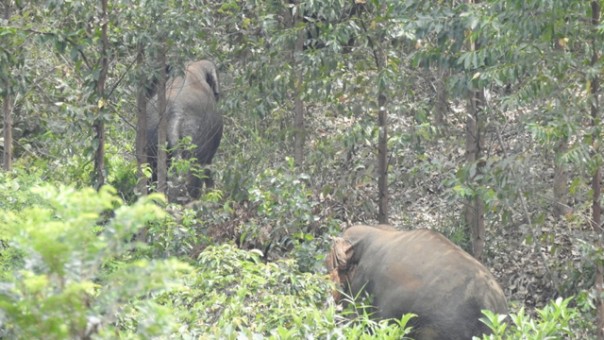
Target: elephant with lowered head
[
  {"x": 419, "y": 272},
  {"x": 190, "y": 112}
]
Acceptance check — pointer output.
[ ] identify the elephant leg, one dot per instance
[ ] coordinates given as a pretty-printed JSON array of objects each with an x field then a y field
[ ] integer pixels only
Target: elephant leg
[
  {"x": 194, "y": 183},
  {"x": 427, "y": 334},
  {"x": 208, "y": 180}
]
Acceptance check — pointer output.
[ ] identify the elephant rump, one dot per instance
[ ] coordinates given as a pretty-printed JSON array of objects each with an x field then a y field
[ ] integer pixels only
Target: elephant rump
[
  {"x": 191, "y": 113},
  {"x": 419, "y": 272}
]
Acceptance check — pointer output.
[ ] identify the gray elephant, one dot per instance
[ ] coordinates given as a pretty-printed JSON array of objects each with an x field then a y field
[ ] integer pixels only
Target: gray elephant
[
  {"x": 190, "y": 112},
  {"x": 419, "y": 272}
]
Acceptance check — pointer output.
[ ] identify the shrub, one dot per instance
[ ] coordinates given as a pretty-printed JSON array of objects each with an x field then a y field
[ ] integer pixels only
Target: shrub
[
  {"x": 554, "y": 321},
  {"x": 235, "y": 292},
  {"x": 236, "y": 295},
  {"x": 71, "y": 280}
]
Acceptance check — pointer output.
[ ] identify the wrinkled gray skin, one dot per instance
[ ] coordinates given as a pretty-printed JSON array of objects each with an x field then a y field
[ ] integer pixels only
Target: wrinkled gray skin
[
  {"x": 190, "y": 111},
  {"x": 419, "y": 272}
]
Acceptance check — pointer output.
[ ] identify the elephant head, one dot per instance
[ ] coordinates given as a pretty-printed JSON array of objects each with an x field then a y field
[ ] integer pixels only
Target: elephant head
[
  {"x": 418, "y": 272},
  {"x": 191, "y": 112}
]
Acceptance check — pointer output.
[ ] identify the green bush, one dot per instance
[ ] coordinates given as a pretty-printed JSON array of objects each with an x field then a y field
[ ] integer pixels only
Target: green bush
[
  {"x": 173, "y": 236},
  {"x": 121, "y": 174},
  {"x": 234, "y": 295},
  {"x": 72, "y": 279},
  {"x": 554, "y": 321},
  {"x": 235, "y": 292},
  {"x": 286, "y": 216},
  {"x": 15, "y": 195}
]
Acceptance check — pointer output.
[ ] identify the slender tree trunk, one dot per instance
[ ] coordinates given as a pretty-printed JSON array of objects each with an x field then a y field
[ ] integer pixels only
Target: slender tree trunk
[
  {"x": 300, "y": 133},
  {"x": 442, "y": 97},
  {"x": 99, "y": 123},
  {"x": 596, "y": 217},
  {"x": 141, "y": 133},
  {"x": 141, "y": 123},
  {"x": 560, "y": 180},
  {"x": 383, "y": 201},
  {"x": 383, "y": 195},
  {"x": 474, "y": 209},
  {"x": 560, "y": 207},
  {"x": 7, "y": 108},
  {"x": 290, "y": 21},
  {"x": 381, "y": 61},
  {"x": 595, "y": 121},
  {"x": 162, "y": 157}
]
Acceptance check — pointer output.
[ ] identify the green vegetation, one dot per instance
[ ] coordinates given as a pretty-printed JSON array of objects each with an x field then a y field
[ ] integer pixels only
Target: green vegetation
[
  {"x": 479, "y": 119},
  {"x": 79, "y": 272},
  {"x": 72, "y": 268}
]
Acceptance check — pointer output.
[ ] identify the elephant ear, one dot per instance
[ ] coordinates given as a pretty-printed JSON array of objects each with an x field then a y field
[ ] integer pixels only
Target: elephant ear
[
  {"x": 341, "y": 253},
  {"x": 211, "y": 77},
  {"x": 339, "y": 264}
]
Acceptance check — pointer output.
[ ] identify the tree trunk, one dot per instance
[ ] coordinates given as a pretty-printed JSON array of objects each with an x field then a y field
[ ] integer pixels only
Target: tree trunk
[
  {"x": 383, "y": 159},
  {"x": 162, "y": 157},
  {"x": 383, "y": 197},
  {"x": 99, "y": 154},
  {"x": 7, "y": 107},
  {"x": 560, "y": 207},
  {"x": 474, "y": 209},
  {"x": 290, "y": 21},
  {"x": 300, "y": 133},
  {"x": 381, "y": 61},
  {"x": 596, "y": 217},
  {"x": 99, "y": 123},
  {"x": 560, "y": 180},
  {"x": 442, "y": 97},
  {"x": 141, "y": 123}
]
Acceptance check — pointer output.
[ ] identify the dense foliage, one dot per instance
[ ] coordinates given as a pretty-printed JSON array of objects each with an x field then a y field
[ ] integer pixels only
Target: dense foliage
[{"x": 303, "y": 84}]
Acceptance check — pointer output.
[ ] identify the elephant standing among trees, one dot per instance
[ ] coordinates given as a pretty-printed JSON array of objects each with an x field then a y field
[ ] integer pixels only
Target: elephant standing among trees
[
  {"x": 190, "y": 112},
  {"x": 419, "y": 272}
]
